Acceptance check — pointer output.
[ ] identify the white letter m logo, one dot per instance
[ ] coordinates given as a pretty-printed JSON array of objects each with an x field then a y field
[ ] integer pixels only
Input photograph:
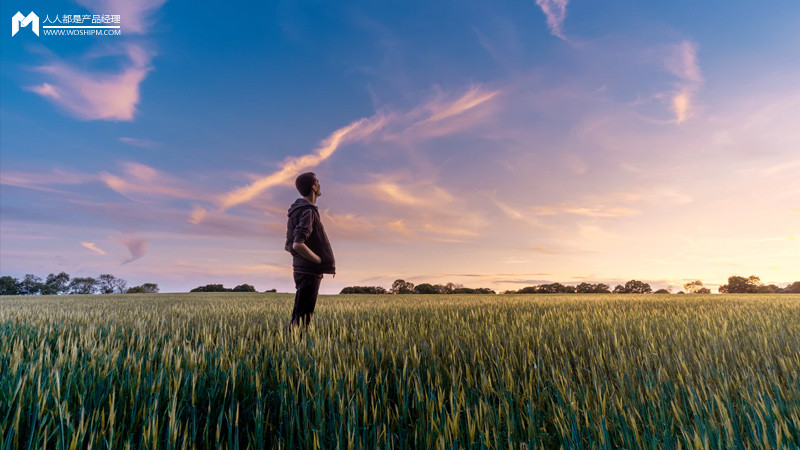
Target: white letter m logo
[{"x": 20, "y": 20}]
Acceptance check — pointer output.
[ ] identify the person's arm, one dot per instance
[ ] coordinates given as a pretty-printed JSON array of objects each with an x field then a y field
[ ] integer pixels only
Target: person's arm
[
  {"x": 305, "y": 252},
  {"x": 301, "y": 232}
]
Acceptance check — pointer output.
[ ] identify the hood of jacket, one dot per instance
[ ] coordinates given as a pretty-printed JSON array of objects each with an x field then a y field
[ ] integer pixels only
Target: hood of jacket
[{"x": 301, "y": 203}]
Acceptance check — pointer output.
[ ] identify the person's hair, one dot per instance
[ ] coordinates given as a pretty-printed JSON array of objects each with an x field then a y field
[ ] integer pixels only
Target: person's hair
[{"x": 305, "y": 182}]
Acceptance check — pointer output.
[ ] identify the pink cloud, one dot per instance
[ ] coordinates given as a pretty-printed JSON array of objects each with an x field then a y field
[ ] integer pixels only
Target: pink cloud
[
  {"x": 556, "y": 11},
  {"x": 421, "y": 121},
  {"x": 39, "y": 181},
  {"x": 89, "y": 95},
  {"x": 144, "y": 143},
  {"x": 682, "y": 62},
  {"x": 291, "y": 167},
  {"x": 92, "y": 247},
  {"x": 136, "y": 247},
  {"x": 142, "y": 181}
]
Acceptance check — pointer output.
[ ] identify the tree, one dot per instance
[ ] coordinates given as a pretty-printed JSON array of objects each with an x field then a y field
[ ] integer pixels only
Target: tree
[
  {"x": 244, "y": 288},
  {"x": 793, "y": 288},
  {"x": 425, "y": 288},
  {"x": 270, "y": 290},
  {"x": 693, "y": 286},
  {"x": 56, "y": 284},
  {"x": 633, "y": 287},
  {"x": 588, "y": 288},
  {"x": 87, "y": 285},
  {"x": 696, "y": 287},
  {"x": 402, "y": 287},
  {"x": 554, "y": 288},
  {"x": 741, "y": 285},
  {"x": 363, "y": 290},
  {"x": 30, "y": 285},
  {"x": 109, "y": 284},
  {"x": 661, "y": 291},
  {"x": 211, "y": 288},
  {"x": 9, "y": 285},
  {"x": 147, "y": 288},
  {"x": 464, "y": 290}
]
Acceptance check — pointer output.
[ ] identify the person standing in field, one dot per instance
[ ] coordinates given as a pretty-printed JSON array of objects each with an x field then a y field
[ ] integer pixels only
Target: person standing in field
[{"x": 311, "y": 251}]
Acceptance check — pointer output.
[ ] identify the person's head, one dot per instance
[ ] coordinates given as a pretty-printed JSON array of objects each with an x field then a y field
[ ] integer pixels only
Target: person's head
[{"x": 307, "y": 183}]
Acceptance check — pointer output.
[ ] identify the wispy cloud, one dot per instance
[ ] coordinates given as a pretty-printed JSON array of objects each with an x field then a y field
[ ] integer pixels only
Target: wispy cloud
[
  {"x": 682, "y": 62},
  {"x": 347, "y": 225},
  {"x": 556, "y": 11},
  {"x": 144, "y": 143},
  {"x": 141, "y": 181},
  {"x": 421, "y": 121},
  {"x": 92, "y": 247},
  {"x": 40, "y": 181},
  {"x": 356, "y": 131},
  {"x": 588, "y": 211},
  {"x": 405, "y": 192},
  {"x": 443, "y": 115},
  {"x": 136, "y": 247},
  {"x": 90, "y": 95},
  {"x": 440, "y": 110}
]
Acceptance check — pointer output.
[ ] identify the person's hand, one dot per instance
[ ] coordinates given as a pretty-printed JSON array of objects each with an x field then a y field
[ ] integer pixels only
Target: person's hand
[{"x": 317, "y": 259}]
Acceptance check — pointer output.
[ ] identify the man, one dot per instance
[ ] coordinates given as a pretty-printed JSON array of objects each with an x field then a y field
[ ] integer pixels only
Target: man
[{"x": 307, "y": 242}]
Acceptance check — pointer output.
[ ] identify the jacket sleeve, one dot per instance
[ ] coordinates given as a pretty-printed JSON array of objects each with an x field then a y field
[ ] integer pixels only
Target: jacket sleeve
[{"x": 304, "y": 226}]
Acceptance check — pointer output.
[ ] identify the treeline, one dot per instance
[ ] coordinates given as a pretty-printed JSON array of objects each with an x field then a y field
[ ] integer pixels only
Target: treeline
[
  {"x": 221, "y": 288},
  {"x": 736, "y": 285},
  {"x": 59, "y": 284},
  {"x": 406, "y": 287},
  {"x": 753, "y": 285}
]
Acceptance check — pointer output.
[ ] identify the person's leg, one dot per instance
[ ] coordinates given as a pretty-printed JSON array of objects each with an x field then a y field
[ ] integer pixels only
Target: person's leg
[{"x": 305, "y": 298}]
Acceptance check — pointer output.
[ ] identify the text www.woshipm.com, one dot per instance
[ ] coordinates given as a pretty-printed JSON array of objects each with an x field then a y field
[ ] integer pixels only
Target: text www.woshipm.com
[{"x": 90, "y": 32}]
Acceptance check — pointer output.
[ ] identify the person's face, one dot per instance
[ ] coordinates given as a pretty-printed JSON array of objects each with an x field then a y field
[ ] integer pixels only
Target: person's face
[{"x": 316, "y": 188}]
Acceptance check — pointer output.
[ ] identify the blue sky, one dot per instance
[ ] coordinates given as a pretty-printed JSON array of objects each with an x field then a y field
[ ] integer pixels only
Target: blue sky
[{"x": 495, "y": 144}]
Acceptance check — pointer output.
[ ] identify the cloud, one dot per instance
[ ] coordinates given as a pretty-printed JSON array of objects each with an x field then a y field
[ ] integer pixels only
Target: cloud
[
  {"x": 772, "y": 170},
  {"x": 516, "y": 214},
  {"x": 89, "y": 95},
  {"x": 142, "y": 181},
  {"x": 92, "y": 247},
  {"x": 556, "y": 11},
  {"x": 144, "y": 143},
  {"x": 38, "y": 181},
  {"x": 392, "y": 189},
  {"x": 420, "y": 122},
  {"x": 443, "y": 115},
  {"x": 440, "y": 110},
  {"x": 135, "y": 15},
  {"x": 681, "y": 61},
  {"x": 399, "y": 226},
  {"x": 347, "y": 225},
  {"x": 136, "y": 247},
  {"x": 291, "y": 167},
  {"x": 197, "y": 216},
  {"x": 596, "y": 211}
]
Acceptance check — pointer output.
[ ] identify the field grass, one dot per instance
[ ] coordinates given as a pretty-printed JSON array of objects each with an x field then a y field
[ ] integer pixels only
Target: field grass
[{"x": 382, "y": 371}]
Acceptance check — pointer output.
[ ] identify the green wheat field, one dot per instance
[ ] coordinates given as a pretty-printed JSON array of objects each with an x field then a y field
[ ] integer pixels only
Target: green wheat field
[{"x": 401, "y": 371}]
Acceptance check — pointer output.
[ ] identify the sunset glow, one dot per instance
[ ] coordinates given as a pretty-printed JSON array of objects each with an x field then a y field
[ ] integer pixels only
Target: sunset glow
[{"x": 502, "y": 145}]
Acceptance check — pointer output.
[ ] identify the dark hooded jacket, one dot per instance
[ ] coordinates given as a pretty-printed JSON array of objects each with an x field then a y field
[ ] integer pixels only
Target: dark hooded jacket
[{"x": 305, "y": 226}]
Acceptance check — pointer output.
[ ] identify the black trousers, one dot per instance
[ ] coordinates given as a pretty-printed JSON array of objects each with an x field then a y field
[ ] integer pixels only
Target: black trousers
[{"x": 307, "y": 285}]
